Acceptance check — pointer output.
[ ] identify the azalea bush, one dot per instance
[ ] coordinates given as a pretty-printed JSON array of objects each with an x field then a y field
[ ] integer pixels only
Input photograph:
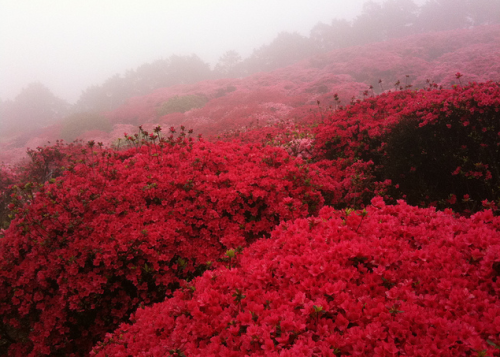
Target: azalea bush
[
  {"x": 431, "y": 147},
  {"x": 125, "y": 229},
  {"x": 43, "y": 164},
  {"x": 449, "y": 155},
  {"x": 385, "y": 281}
]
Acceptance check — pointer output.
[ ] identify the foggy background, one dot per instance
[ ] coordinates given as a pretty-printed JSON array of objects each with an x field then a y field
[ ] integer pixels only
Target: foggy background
[
  {"x": 70, "y": 45},
  {"x": 59, "y": 57}
]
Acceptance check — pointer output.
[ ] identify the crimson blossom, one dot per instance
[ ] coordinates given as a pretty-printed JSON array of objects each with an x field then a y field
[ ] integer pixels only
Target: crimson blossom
[
  {"x": 426, "y": 146},
  {"x": 124, "y": 229},
  {"x": 386, "y": 281}
]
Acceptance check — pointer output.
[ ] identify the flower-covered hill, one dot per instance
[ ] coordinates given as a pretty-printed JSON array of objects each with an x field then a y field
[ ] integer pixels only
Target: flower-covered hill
[
  {"x": 435, "y": 56},
  {"x": 287, "y": 94},
  {"x": 437, "y": 147},
  {"x": 431, "y": 147},
  {"x": 302, "y": 237},
  {"x": 117, "y": 230},
  {"x": 123, "y": 229},
  {"x": 387, "y": 281}
]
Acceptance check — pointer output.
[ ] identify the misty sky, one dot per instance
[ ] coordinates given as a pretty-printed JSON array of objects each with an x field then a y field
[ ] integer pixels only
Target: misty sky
[{"x": 69, "y": 45}]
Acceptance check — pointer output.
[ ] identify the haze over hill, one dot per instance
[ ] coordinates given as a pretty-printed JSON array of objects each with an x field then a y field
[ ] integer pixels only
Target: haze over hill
[
  {"x": 218, "y": 106},
  {"x": 72, "y": 45},
  {"x": 36, "y": 106}
]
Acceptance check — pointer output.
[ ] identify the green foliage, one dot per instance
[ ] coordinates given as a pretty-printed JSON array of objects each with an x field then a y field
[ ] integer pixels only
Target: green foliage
[
  {"x": 77, "y": 124},
  {"x": 181, "y": 104},
  {"x": 221, "y": 92}
]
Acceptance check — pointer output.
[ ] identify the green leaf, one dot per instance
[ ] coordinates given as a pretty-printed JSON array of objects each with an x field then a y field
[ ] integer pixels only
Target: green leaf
[{"x": 491, "y": 343}]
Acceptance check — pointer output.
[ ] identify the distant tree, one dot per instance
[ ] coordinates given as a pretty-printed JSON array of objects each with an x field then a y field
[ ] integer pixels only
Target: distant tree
[
  {"x": 380, "y": 22},
  {"x": 442, "y": 15},
  {"x": 484, "y": 12},
  {"x": 229, "y": 65},
  {"x": 181, "y": 104},
  {"x": 167, "y": 72},
  {"x": 107, "y": 96},
  {"x": 368, "y": 27},
  {"x": 287, "y": 48},
  {"x": 7, "y": 121},
  {"x": 187, "y": 69},
  {"x": 336, "y": 35},
  {"x": 92, "y": 99},
  {"x": 34, "y": 107},
  {"x": 146, "y": 78},
  {"x": 116, "y": 91},
  {"x": 399, "y": 18}
]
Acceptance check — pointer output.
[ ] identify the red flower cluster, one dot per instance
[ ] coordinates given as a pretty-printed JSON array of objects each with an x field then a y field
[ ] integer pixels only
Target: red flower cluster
[
  {"x": 432, "y": 143},
  {"x": 17, "y": 182},
  {"x": 124, "y": 229},
  {"x": 386, "y": 281}
]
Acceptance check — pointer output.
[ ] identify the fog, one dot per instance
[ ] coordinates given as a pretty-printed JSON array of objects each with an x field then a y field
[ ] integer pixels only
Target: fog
[{"x": 71, "y": 45}]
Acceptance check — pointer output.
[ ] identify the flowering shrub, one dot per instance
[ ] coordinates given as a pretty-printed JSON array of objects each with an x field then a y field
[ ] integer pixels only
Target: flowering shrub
[
  {"x": 43, "y": 164},
  {"x": 432, "y": 145},
  {"x": 296, "y": 139},
  {"x": 449, "y": 155},
  {"x": 386, "y": 281},
  {"x": 119, "y": 230},
  {"x": 301, "y": 147}
]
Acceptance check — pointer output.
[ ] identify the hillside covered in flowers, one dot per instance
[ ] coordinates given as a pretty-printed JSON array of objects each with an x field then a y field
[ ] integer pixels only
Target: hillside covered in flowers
[{"x": 346, "y": 205}]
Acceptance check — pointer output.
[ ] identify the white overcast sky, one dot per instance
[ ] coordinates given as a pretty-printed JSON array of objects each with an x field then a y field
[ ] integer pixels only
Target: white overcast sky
[{"x": 69, "y": 45}]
